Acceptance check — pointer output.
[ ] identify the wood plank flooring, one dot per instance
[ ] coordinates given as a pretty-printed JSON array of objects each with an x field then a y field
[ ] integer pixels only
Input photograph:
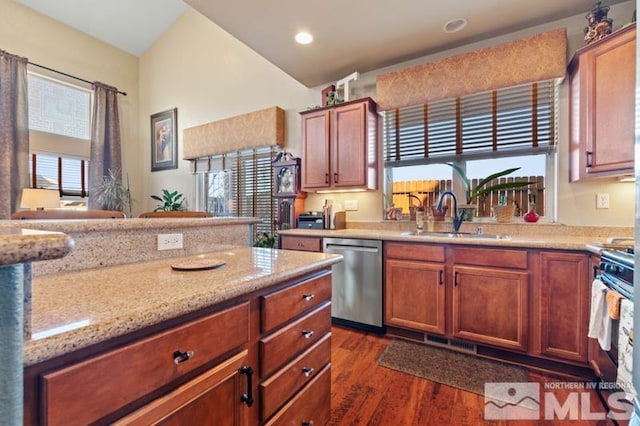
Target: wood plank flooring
[{"x": 363, "y": 393}]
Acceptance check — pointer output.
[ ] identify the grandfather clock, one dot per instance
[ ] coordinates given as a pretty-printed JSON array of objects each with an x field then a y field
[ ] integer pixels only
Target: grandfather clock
[{"x": 289, "y": 197}]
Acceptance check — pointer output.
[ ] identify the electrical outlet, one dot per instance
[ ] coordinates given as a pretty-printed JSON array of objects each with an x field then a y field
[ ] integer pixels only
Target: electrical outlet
[
  {"x": 602, "y": 201},
  {"x": 169, "y": 241},
  {"x": 351, "y": 205}
]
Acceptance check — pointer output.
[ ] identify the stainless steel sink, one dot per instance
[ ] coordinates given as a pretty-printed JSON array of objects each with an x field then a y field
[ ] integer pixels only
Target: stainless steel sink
[{"x": 456, "y": 235}]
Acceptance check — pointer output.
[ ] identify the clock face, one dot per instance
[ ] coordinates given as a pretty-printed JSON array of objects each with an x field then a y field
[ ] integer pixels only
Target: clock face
[{"x": 286, "y": 181}]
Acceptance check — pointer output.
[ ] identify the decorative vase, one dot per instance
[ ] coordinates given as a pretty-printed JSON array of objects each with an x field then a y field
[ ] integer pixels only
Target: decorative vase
[
  {"x": 438, "y": 215},
  {"x": 531, "y": 216},
  {"x": 503, "y": 213}
]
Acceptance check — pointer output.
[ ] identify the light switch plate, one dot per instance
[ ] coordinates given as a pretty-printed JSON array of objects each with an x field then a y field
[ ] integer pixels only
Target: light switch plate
[{"x": 602, "y": 200}]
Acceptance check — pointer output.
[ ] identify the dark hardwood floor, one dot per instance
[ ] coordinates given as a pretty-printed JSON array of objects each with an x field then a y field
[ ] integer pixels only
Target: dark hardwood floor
[{"x": 363, "y": 393}]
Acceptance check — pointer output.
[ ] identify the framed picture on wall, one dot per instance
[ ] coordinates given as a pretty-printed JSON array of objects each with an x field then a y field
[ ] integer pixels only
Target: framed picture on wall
[{"x": 164, "y": 140}]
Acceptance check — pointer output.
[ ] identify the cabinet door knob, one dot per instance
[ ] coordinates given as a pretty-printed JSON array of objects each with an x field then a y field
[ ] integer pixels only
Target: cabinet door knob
[
  {"x": 307, "y": 334},
  {"x": 308, "y": 297},
  {"x": 179, "y": 357},
  {"x": 307, "y": 371}
]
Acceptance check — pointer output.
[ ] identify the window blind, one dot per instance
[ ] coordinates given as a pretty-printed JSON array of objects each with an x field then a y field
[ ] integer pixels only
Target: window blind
[
  {"x": 241, "y": 183},
  {"x": 66, "y": 174},
  {"x": 510, "y": 121}
]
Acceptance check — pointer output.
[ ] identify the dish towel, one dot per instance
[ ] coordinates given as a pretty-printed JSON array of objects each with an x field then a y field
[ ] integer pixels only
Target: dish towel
[
  {"x": 613, "y": 304},
  {"x": 599, "y": 320},
  {"x": 625, "y": 348}
]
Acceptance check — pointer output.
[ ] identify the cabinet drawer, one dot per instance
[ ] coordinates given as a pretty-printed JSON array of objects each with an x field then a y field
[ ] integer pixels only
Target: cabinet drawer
[
  {"x": 423, "y": 252},
  {"x": 281, "y": 306},
  {"x": 301, "y": 243},
  {"x": 286, "y": 343},
  {"x": 275, "y": 391},
  {"x": 89, "y": 390},
  {"x": 311, "y": 406},
  {"x": 502, "y": 258},
  {"x": 210, "y": 388}
]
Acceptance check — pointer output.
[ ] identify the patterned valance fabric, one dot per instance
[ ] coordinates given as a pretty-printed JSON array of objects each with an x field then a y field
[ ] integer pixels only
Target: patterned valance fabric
[
  {"x": 537, "y": 58},
  {"x": 246, "y": 131}
]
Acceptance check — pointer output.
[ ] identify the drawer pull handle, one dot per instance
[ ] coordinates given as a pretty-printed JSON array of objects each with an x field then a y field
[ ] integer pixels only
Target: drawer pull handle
[
  {"x": 307, "y": 371},
  {"x": 307, "y": 423},
  {"x": 247, "y": 398},
  {"x": 308, "y": 297},
  {"x": 180, "y": 357},
  {"x": 307, "y": 333}
]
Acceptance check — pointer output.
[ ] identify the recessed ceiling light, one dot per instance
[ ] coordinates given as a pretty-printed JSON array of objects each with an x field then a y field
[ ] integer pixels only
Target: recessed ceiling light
[
  {"x": 454, "y": 25},
  {"x": 304, "y": 37}
]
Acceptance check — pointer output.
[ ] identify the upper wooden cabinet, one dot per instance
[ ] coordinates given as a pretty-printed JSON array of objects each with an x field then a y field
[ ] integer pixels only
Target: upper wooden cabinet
[
  {"x": 602, "y": 81},
  {"x": 339, "y": 147}
]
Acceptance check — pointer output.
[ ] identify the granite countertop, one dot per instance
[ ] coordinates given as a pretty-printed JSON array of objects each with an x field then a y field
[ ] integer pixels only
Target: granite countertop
[
  {"x": 560, "y": 241},
  {"x": 73, "y": 310},
  {"x": 26, "y": 245}
]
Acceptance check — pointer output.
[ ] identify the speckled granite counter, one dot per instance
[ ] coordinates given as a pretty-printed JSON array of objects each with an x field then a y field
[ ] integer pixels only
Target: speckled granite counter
[
  {"x": 108, "y": 242},
  {"x": 19, "y": 245},
  {"x": 115, "y": 300},
  {"x": 550, "y": 236}
]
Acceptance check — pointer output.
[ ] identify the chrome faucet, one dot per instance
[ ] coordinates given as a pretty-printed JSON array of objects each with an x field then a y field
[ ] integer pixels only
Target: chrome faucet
[{"x": 457, "y": 218}]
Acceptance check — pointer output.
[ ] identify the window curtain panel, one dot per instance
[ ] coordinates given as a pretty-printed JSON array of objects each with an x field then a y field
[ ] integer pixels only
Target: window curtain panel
[
  {"x": 14, "y": 132},
  {"x": 105, "y": 154}
]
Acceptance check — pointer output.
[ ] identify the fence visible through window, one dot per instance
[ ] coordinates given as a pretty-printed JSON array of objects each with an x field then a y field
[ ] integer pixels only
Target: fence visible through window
[{"x": 428, "y": 191}]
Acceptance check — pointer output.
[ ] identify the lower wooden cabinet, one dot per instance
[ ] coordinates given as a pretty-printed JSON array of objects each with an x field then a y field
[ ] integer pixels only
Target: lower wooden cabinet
[
  {"x": 211, "y": 399},
  {"x": 534, "y": 302},
  {"x": 564, "y": 299},
  {"x": 263, "y": 357},
  {"x": 491, "y": 306},
  {"x": 415, "y": 295}
]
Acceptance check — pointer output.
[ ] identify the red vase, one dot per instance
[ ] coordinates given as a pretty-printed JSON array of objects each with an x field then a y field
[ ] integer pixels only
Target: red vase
[{"x": 531, "y": 216}]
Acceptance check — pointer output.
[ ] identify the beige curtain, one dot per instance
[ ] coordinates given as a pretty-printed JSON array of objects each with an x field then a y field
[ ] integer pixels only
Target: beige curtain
[
  {"x": 105, "y": 152},
  {"x": 14, "y": 132}
]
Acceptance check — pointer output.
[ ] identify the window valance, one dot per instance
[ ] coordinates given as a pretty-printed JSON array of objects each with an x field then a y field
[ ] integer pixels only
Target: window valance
[
  {"x": 537, "y": 58},
  {"x": 265, "y": 127}
]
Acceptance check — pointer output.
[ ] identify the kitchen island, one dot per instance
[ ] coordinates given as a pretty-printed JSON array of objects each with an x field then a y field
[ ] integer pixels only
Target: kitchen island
[
  {"x": 18, "y": 248},
  {"x": 121, "y": 342}
]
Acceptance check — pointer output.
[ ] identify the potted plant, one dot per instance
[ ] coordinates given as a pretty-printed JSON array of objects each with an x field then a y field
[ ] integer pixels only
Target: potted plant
[
  {"x": 264, "y": 240},
  {"x": 171, "y": 201},
  {"x": 113, "y": 194},
  {"x": 483, "y": 188}
]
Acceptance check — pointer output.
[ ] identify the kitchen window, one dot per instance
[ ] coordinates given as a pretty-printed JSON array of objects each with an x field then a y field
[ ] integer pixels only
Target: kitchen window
[
  {"x": 59, "y": 136},
  {"x": 516, "y": 126},
  {"x": 238, "y": 184}
]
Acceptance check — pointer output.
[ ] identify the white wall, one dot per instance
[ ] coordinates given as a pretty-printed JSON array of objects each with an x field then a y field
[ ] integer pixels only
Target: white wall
[{"x": 208, "y": 75}]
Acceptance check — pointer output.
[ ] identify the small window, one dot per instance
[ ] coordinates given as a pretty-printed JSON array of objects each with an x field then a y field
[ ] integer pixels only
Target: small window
[{"x": 59, "y": 136}]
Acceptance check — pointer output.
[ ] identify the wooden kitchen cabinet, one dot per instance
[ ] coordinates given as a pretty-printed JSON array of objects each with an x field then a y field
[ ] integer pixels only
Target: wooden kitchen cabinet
[
  {"x": 196, "y": 370},
  {"x": 483, "y": 293},
  {"x": 339, "y": 147},
  {"x": 564, "y": 295},
  {"x": 415, "y": 294},
  {"x": 490, "y": 306},
  {"x": 602, "y": 80}
]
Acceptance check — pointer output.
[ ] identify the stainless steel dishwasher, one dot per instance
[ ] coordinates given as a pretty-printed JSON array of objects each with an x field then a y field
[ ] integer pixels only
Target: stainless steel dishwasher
[{"x": 356, "y": 299}]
